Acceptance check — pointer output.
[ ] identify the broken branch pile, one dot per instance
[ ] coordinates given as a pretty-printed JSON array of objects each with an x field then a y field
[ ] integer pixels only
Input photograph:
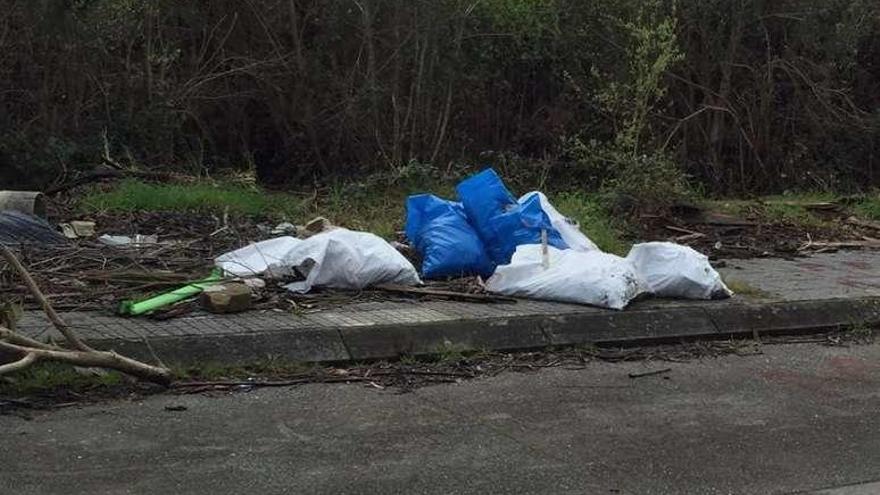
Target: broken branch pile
[{"x": 77, "y": 352}]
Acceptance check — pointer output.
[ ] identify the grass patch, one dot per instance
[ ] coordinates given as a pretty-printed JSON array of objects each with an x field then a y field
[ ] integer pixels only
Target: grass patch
[
  {"x": 593, "y": 219},
  {"x": 869, "y": 207},
  {"x": 741, "y": 288},
  {"x": 787, "y": 209},
  {"x": 133, "y": 195},
  {"x": 861, "y": 333},
  {"x": 376, "y": 205},
  {"x": 49, "y": 376}
]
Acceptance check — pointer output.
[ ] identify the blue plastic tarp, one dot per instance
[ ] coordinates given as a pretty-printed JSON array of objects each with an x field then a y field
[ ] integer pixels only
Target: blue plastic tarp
[{"x": 442, "y": 235}]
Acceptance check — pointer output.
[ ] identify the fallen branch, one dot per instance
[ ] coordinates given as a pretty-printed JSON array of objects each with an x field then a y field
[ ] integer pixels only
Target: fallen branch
[
  {"x": 866, "y": 244},
  {"x": 689, "y": 237},
  {"x": 32, "y": 351},
  {"x": 650, "y": 373},
  {"x": 91, "y": 359},
  {"x": 35, "y": 291},
  {"x": 681, "y": 230},
  {"x": 863, "y": 223}
]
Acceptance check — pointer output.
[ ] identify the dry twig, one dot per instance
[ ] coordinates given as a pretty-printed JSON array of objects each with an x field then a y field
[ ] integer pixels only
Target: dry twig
[{"x": 80, "y": 354}]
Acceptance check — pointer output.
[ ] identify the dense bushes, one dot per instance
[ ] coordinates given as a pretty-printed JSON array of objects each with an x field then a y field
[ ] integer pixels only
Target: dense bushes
[{"x": 743, "y": 95}]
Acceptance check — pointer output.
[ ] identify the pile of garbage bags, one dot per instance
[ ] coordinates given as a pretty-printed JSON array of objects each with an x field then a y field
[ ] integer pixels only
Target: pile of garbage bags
[
  {"x": 527, "y": 248},
  {"x": 522, "y": 247}
]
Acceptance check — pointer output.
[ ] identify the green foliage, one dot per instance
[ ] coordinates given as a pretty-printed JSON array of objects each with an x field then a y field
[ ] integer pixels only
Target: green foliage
[
  {"x": 636, "y": 180},
  {"x": 786, "y": 209},
  {"x": 594, "y": 220},
  {"x": 869, "y": 207},
  {"x": 133, "y": 195},
  {"x": 750, "y": 97},
  {"x": 743, "y": 289},
  {"x": 652, "y": 50}
]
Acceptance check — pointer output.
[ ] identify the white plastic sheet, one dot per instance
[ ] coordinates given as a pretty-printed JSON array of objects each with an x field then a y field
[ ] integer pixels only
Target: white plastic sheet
[
  {"x": 568, "y": 229},
  {"x": 673, "y": 270},
  {"x": 344, "y": 259},
  {"x": 584, "y": 277},
  {"x": 255, "y": 259}
]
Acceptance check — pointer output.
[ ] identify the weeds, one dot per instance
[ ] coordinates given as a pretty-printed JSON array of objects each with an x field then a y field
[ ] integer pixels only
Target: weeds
[
  {"x": 594, "y": 220},
  {"x": 50, "y": 376},
  {"x": 860, "y": 333},
  {"x": 741, "y": 288},
  {"x": 869, "y": 207}
]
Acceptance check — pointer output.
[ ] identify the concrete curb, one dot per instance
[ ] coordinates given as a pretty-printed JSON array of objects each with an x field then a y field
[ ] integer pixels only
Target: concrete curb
[{"x": 655, "y": 324}]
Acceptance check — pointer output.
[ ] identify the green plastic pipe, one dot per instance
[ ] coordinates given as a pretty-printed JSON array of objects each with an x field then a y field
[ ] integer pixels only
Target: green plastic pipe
[{"x": 137, "y": 308}]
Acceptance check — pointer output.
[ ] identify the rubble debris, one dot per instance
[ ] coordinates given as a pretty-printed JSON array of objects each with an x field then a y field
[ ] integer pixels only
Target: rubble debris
[
  {"x": 77, "y": 229},
  {"x": 314, "y": 226},
  {"x": 863, "y": 223},
  {"x": 226, "y": 298}
]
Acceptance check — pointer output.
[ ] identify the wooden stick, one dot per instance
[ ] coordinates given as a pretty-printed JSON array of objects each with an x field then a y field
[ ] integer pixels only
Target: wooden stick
[
  {"x": 545, "y": 251},
  {"x": 28, "y": 359},
  {"x": 650, "y": 373},
  {"x": 14, "y": 338},
  {"x": 681, "y": 230},
  {"x": 873, "y": 244},
  {"x": 57, "y": 322},
  {"x": 690, "y": 237}
]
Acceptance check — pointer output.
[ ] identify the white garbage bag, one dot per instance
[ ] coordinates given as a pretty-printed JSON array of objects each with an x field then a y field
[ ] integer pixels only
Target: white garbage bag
[
  {"x": 344, "y": 259},
  {"x": 255, "y": 259},
  {"x": 567, "y": 228},
  {"x": 584, "y": 277},
  {"x": 673, "y": 270}
]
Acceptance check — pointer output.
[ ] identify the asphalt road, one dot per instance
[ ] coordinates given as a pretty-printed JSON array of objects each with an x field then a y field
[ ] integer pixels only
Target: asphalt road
[{"x": 797, "y": 419}]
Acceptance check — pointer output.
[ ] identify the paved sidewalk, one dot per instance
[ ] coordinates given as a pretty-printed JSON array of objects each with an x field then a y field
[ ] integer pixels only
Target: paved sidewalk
[{"x": 821, "y": 292}]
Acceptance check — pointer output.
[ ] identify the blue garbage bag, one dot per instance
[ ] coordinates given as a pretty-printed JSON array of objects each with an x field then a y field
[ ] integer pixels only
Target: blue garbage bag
[
  {"x": 500, "y": 221},
  {"x": 448, "y": 244}
]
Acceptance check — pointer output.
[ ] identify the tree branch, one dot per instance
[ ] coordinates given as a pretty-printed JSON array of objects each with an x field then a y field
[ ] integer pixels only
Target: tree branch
[
  {"x": 28, "y": 359},
  {"x": 56, "y": 320},
  {"x": 92, "y": 359}
]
